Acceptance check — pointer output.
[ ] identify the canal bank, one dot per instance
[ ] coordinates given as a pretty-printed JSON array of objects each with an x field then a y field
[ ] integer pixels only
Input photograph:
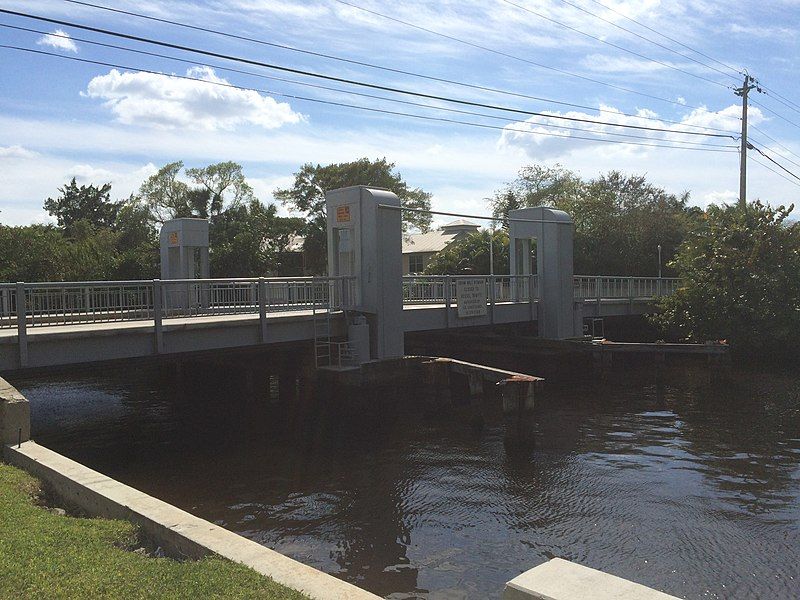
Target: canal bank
[{"x": 175, "y": 532}]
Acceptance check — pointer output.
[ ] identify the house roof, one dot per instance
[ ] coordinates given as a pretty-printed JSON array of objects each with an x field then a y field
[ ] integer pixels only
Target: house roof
[
  {"x": 435, "y": 241},
  {"x": 460, "y": 224}
]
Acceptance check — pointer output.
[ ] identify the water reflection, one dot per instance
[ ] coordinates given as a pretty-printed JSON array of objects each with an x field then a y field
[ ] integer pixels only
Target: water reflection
[{"x": 688, "y": 487}]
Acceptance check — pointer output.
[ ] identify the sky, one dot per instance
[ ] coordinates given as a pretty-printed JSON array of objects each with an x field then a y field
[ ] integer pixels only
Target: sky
[{"x": 674, "y": 69}]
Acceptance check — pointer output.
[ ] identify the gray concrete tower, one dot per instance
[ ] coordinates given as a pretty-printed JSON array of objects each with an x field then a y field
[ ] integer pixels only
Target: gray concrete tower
[
  {"x": 553, "y": 231},
  {"x": 365, "y": 241}
]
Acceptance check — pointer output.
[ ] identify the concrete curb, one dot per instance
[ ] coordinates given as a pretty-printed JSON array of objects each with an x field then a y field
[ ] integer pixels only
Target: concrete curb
[
  {"x": 560, "y": 579},
  {"x": 179, "y": 532}
]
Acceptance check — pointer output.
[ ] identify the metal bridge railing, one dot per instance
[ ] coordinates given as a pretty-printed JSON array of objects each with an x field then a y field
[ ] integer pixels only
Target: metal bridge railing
[
  {"x": 593, "y": 287},
  {"x": 441, "y": 289},
  {"x": 70, "y": 303}
]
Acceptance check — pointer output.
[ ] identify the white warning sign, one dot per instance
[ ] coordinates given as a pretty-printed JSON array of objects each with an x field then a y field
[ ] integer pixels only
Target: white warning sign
[{"x": 471, "y": 297}]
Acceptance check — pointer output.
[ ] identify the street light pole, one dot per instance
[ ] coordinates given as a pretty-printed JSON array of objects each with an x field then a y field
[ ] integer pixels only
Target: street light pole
[
  {"x": 659, "y": 261},
  {"x": 491, "y": 251}
]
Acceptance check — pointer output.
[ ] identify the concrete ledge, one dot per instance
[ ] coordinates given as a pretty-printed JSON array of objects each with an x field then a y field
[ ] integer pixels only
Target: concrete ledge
[
  {"x": 179, "y": 533},
  {"x": 15, "y": 415},
  {"x": 560, "y": 579}
]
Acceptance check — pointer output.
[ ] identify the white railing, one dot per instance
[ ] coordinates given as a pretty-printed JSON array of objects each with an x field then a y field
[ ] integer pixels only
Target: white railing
[
  {"x": 441, "y": 289},
  {"x": 69, "y": 303},
  {"x": 594, "y": 287}
]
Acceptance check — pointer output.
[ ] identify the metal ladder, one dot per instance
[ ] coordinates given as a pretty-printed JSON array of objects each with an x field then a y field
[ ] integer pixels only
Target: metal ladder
[
  {"x": 322, "y": 326},
  {"x": 327, "y": 352}
]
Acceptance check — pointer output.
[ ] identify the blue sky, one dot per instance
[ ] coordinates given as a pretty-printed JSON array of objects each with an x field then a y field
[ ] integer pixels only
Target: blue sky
[{"x": 60, "y": 118}]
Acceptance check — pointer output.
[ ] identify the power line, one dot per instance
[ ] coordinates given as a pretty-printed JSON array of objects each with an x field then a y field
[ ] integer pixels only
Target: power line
[
  {"x": 777, "y": 114},
  {"x": 645, "y": 38},
  {"x": 779, "y": 100},
  {"x": 350, "y": 61},
  {"x": 612, "y": 44},
  {"x": 352, "y": 81},
  {"x": 375, "y": 66},
  {"x": 512, "y": 56},
  {"x": 778, "y": 173},
  {"x": 665, "y": 36},
  {"x": 769, "y": 137},
  {"x": 720, "y": 148},
  {"x": 774, "y": 93},
  {"x": 786, "y": 158},
  {"x": 770, "y": 159},
  {"x": 340, "y": 90}
]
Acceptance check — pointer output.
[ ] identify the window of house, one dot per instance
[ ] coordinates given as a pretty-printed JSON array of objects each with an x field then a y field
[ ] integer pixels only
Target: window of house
[{"x": 415, "y": 263}]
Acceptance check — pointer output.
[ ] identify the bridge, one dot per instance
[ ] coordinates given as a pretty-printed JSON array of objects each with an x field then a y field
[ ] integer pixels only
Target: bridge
[{"x": 59, "y": 323}]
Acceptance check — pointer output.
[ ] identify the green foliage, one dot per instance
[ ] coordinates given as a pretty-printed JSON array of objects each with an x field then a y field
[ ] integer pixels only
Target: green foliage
[
  {"x": 85, "y": 203},
  {"x": 740, "y": 271},
  {"x": 619, "y": 220},
  {"x": 471, "y": 255},
  {"x": 249, "y": 240},
  {"x": 44, "y": 555},
  {"x": 165, "y": 194},
  {"x": 224, "y": 183},
  {"x": 31, "y": 253},
  {"x": 307, "y": 195}
]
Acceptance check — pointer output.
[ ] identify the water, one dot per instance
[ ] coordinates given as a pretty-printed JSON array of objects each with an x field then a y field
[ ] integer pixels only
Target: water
[{"x": 693, "y": 488}]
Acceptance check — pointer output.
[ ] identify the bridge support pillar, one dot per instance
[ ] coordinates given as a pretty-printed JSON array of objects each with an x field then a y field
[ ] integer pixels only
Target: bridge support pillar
[
  {"x": 541, "y": 244},
  {"x": 365, "y": 241}
]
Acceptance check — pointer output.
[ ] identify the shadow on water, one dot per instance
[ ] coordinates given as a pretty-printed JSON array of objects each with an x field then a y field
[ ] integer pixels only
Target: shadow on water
[{"x": 689, "y": 487}]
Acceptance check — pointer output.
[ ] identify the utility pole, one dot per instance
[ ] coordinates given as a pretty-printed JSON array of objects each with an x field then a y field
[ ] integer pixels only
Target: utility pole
[{"x": 749, "y": 84}]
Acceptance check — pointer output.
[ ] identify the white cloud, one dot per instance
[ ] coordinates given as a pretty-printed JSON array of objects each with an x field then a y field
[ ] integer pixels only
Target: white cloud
[
  {"x": 16, "y": 152},
  {"x": 59, "y": 40},
  {"x": 170, "y": 102},
  {"x": 542, "y": 137}
]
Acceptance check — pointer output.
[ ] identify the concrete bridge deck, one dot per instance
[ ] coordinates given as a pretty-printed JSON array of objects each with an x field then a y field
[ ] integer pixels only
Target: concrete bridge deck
[{"x": 80, "y": 342}]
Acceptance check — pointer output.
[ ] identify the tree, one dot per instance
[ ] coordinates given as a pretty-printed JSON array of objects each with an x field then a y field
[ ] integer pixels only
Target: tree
[
  {"x": 307, "y": 195},
  {"x": 84, "y": 203},
  {"x": 471, "y": 255},
  {"x": 165, "y": 194},
  {"x": 740, "y": 271},
  {"x": 620, "y": 220},
  {"x": 250, "y": 240},
  {"x": 217, "y": 187},
  {"x": 224, "y": 183},
  {"x": 137, "y": 242},
  {"x": 31, "y": 253}
]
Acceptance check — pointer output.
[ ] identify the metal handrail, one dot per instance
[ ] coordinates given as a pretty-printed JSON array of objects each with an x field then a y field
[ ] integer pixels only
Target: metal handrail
[{"x": 74, "y": 302}]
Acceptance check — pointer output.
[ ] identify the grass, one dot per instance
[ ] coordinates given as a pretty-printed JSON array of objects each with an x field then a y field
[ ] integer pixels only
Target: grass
[{"x": 44, "y": 555}]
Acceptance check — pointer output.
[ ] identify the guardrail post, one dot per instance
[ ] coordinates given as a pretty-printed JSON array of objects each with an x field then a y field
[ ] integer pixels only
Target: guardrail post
[
  {"x": 158, "y": 316},
  {"x": 630, "y": 295},
  {"x": 531, "y": 294},
  {"x": 447, "y": 301},
  {"x": 492, "y": 297},
  {"x": 597, "y": 293},
  {"x": 262, "y": 308},
  {"x": 22, "y": 325}
]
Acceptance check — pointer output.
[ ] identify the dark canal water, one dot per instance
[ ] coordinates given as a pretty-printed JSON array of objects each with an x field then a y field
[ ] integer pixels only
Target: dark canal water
[{"x": 691, "y": 488}]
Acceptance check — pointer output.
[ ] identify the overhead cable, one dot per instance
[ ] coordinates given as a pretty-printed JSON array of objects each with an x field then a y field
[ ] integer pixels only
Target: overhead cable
[
  {"x": 513, "y": 56},
  {"x": 370, "y": 65},
  {"x": 714, "y": 148},
  {"x": 352, "y": 81},
  {"x": 666, "y": 37},
  {"x": 645, "y": 38},
  {"x": 349, "y": 92},
  {"x": 612, "y": 44}
]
